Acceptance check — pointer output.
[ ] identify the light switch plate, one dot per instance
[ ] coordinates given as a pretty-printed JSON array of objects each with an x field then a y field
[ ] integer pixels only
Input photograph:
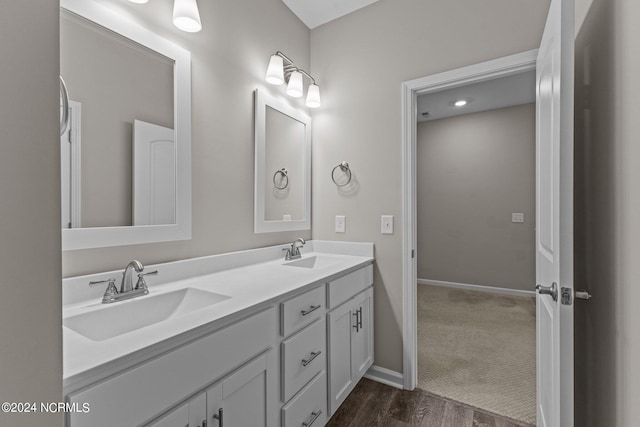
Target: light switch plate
[
  {"x": 341, "y": 223},
  {"x": 386, "y": 224},
  {"x": 517, "y": 217}
]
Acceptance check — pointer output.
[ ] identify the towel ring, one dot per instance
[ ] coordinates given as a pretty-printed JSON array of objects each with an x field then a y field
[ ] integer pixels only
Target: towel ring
[
  {"x": 284, "y": 177},
  {"x": 344, "y": 167},
  {"x": 64, "y": 96}
]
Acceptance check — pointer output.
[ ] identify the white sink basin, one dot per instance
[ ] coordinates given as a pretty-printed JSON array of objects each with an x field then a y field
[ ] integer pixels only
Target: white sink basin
[
  {"x": 311, "y": 262},
  {"x": 121, "y": 317}
]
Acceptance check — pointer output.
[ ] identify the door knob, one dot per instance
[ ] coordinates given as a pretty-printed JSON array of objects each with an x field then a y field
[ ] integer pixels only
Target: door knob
[{"x": 549, "y": 290}]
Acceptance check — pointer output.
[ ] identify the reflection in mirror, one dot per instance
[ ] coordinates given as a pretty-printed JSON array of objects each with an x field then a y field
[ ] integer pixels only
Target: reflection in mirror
[
  {"x": 114, "y": 81},
  {"x": 284, "y": 154},
  {"x": 126, "y": 156},
  {"x": 283, "y": 178}
]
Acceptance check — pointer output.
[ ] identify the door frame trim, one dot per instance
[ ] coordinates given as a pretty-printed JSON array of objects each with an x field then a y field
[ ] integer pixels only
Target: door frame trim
[{"x": 501, "y": 67}]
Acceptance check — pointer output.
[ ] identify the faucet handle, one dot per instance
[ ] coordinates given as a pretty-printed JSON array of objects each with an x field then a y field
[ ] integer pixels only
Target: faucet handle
[
  {"x": 110, "y": 293},
  {"x": 111, "y": 282},
  {"x": 141, "y": 283}
]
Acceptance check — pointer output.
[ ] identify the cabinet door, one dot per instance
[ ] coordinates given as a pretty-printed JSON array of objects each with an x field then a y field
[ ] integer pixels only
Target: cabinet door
[
  {"x": 342, "y": 323},
  {"x": 179, "y": 417},
  {"x": 244, "y": 398},
  {"x": 190, "y": 414},
  {"x": 362, "y": 342}
]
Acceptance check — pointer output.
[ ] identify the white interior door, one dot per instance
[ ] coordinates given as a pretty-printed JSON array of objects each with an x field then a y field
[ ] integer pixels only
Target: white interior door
[
  {"x": 70, "y": 143},
  {"x": 554, "y": 221},
  {"x": 154, "y": 174}
]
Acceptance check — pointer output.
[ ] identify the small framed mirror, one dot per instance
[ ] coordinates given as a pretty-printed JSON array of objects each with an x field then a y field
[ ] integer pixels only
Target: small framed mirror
[
  {"x": 126, "y": 156},
  {"x": 282, "y": 166}
]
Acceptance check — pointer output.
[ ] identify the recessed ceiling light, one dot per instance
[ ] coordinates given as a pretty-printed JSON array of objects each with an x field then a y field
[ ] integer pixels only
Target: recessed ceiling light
[{"x": 460, "y": 103}]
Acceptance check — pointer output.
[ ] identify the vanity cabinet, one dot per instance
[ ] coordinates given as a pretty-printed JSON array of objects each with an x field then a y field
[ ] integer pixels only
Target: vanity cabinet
[
  {"x": 240, "y": 399},
  {"x": 244, "y": 397},
  {"x": 140, "y": 394},
  {"x": 190, "y": 414},
  {"x": 350, "y": 337},
  {"x": 290, "y": 364}
]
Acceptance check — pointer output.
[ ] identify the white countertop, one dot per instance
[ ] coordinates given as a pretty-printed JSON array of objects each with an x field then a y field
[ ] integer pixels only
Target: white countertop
[{"x": 250, "y": 288}]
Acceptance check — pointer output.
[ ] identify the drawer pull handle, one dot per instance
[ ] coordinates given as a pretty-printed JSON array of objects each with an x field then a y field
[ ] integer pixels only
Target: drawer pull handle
[
  {"x": 359, "y": 318},
  {"x": 314, "y": 417},
  {"x": 357, "y": 323},
  {"x": 314, "y": 354},
  {"x": 311, "y": 310},
  {"x": 219, "y": 416}
]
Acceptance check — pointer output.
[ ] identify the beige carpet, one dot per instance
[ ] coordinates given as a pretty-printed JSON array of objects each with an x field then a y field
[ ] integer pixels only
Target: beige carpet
[{"x": 478, "y": 348}]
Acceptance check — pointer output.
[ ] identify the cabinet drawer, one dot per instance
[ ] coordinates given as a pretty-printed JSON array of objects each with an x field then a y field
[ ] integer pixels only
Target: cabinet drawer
[
  {"x": 136, "y": 395},
  {"x": 345, "y": 287},
  {"x": 309, "y": 407},
  {"x": 302, "y": 310},
  {"x": 303, "y": 356}
]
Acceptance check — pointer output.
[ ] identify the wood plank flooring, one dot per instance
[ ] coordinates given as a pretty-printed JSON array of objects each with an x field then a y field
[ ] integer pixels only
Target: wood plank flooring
[{"x": 373, "y": 404}]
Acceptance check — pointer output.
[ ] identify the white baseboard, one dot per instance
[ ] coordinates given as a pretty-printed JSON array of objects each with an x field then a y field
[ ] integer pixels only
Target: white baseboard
[
  {"x": 385, "y": 376},
  {"x": 472, "y": 287}
]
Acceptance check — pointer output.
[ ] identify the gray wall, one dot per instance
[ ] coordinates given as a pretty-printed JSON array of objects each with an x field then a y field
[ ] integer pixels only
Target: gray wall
[
  {"x": 30, "y": 301},
  {"x": 607, "y": 202},
  {"x": 473, "y": 172},
  {"x": 117, "y": 81},
  {"x": 360, "y": 61},
  {"x": 229, "y": 61}
]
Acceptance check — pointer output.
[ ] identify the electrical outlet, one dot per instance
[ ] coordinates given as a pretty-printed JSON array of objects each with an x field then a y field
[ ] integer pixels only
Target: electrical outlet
[
  {"x": 517, "y": 217},
  {"x": 386, "y": 224},
  {"x": 341, "y": 223}
]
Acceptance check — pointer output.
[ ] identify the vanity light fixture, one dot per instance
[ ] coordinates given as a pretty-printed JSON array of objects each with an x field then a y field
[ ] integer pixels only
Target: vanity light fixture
[
  {"x": 281, "y": 69},
  {"x": 186, "y": 16},
  {"x": 295, "y": 86},
  {"x": 460, "y": 103}
]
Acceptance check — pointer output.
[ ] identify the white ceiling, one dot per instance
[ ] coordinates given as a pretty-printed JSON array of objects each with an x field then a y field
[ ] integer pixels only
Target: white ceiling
[
  {"x": 490, "y": 95},
  {"x": 317, "y": 12}
]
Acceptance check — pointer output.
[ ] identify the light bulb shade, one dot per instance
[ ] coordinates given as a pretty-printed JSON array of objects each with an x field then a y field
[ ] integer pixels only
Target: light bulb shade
[
  {"x": 294, "y": 88},
  {"x": 186, "y": 16},
  {"x": 313, "y": 96},
  {"x": 275, "y": 71}
]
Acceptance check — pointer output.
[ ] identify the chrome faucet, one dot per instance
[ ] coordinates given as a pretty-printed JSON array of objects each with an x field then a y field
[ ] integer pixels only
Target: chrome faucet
[
  {"x": 127, "y": 283},
  {"x": 127, "y": 288},
  {"x": 294, "y": 251}
]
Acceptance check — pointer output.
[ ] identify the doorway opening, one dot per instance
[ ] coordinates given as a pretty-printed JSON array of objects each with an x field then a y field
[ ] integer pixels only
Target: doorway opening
[
  {"x": 439, "y": 283},
  {"x": 476, "y": 245}
]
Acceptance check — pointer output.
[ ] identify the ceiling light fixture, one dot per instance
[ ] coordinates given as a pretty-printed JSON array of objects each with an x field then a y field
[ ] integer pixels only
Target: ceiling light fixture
[
  {"x": 139, "y": 1},
  {"x": 282, "y": 69},
  {"x": 186, "y": 16},
  {"x": 460, "y": 103}
]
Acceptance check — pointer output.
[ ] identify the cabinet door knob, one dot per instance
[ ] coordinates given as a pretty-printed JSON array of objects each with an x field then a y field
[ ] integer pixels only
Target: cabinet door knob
[{"x": 220, "y": 417}]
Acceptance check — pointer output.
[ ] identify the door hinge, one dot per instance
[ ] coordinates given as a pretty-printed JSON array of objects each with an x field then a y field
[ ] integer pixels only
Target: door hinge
[
  {"x": 566, "y": 296},
  {"x": 413, "y": 253}
]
